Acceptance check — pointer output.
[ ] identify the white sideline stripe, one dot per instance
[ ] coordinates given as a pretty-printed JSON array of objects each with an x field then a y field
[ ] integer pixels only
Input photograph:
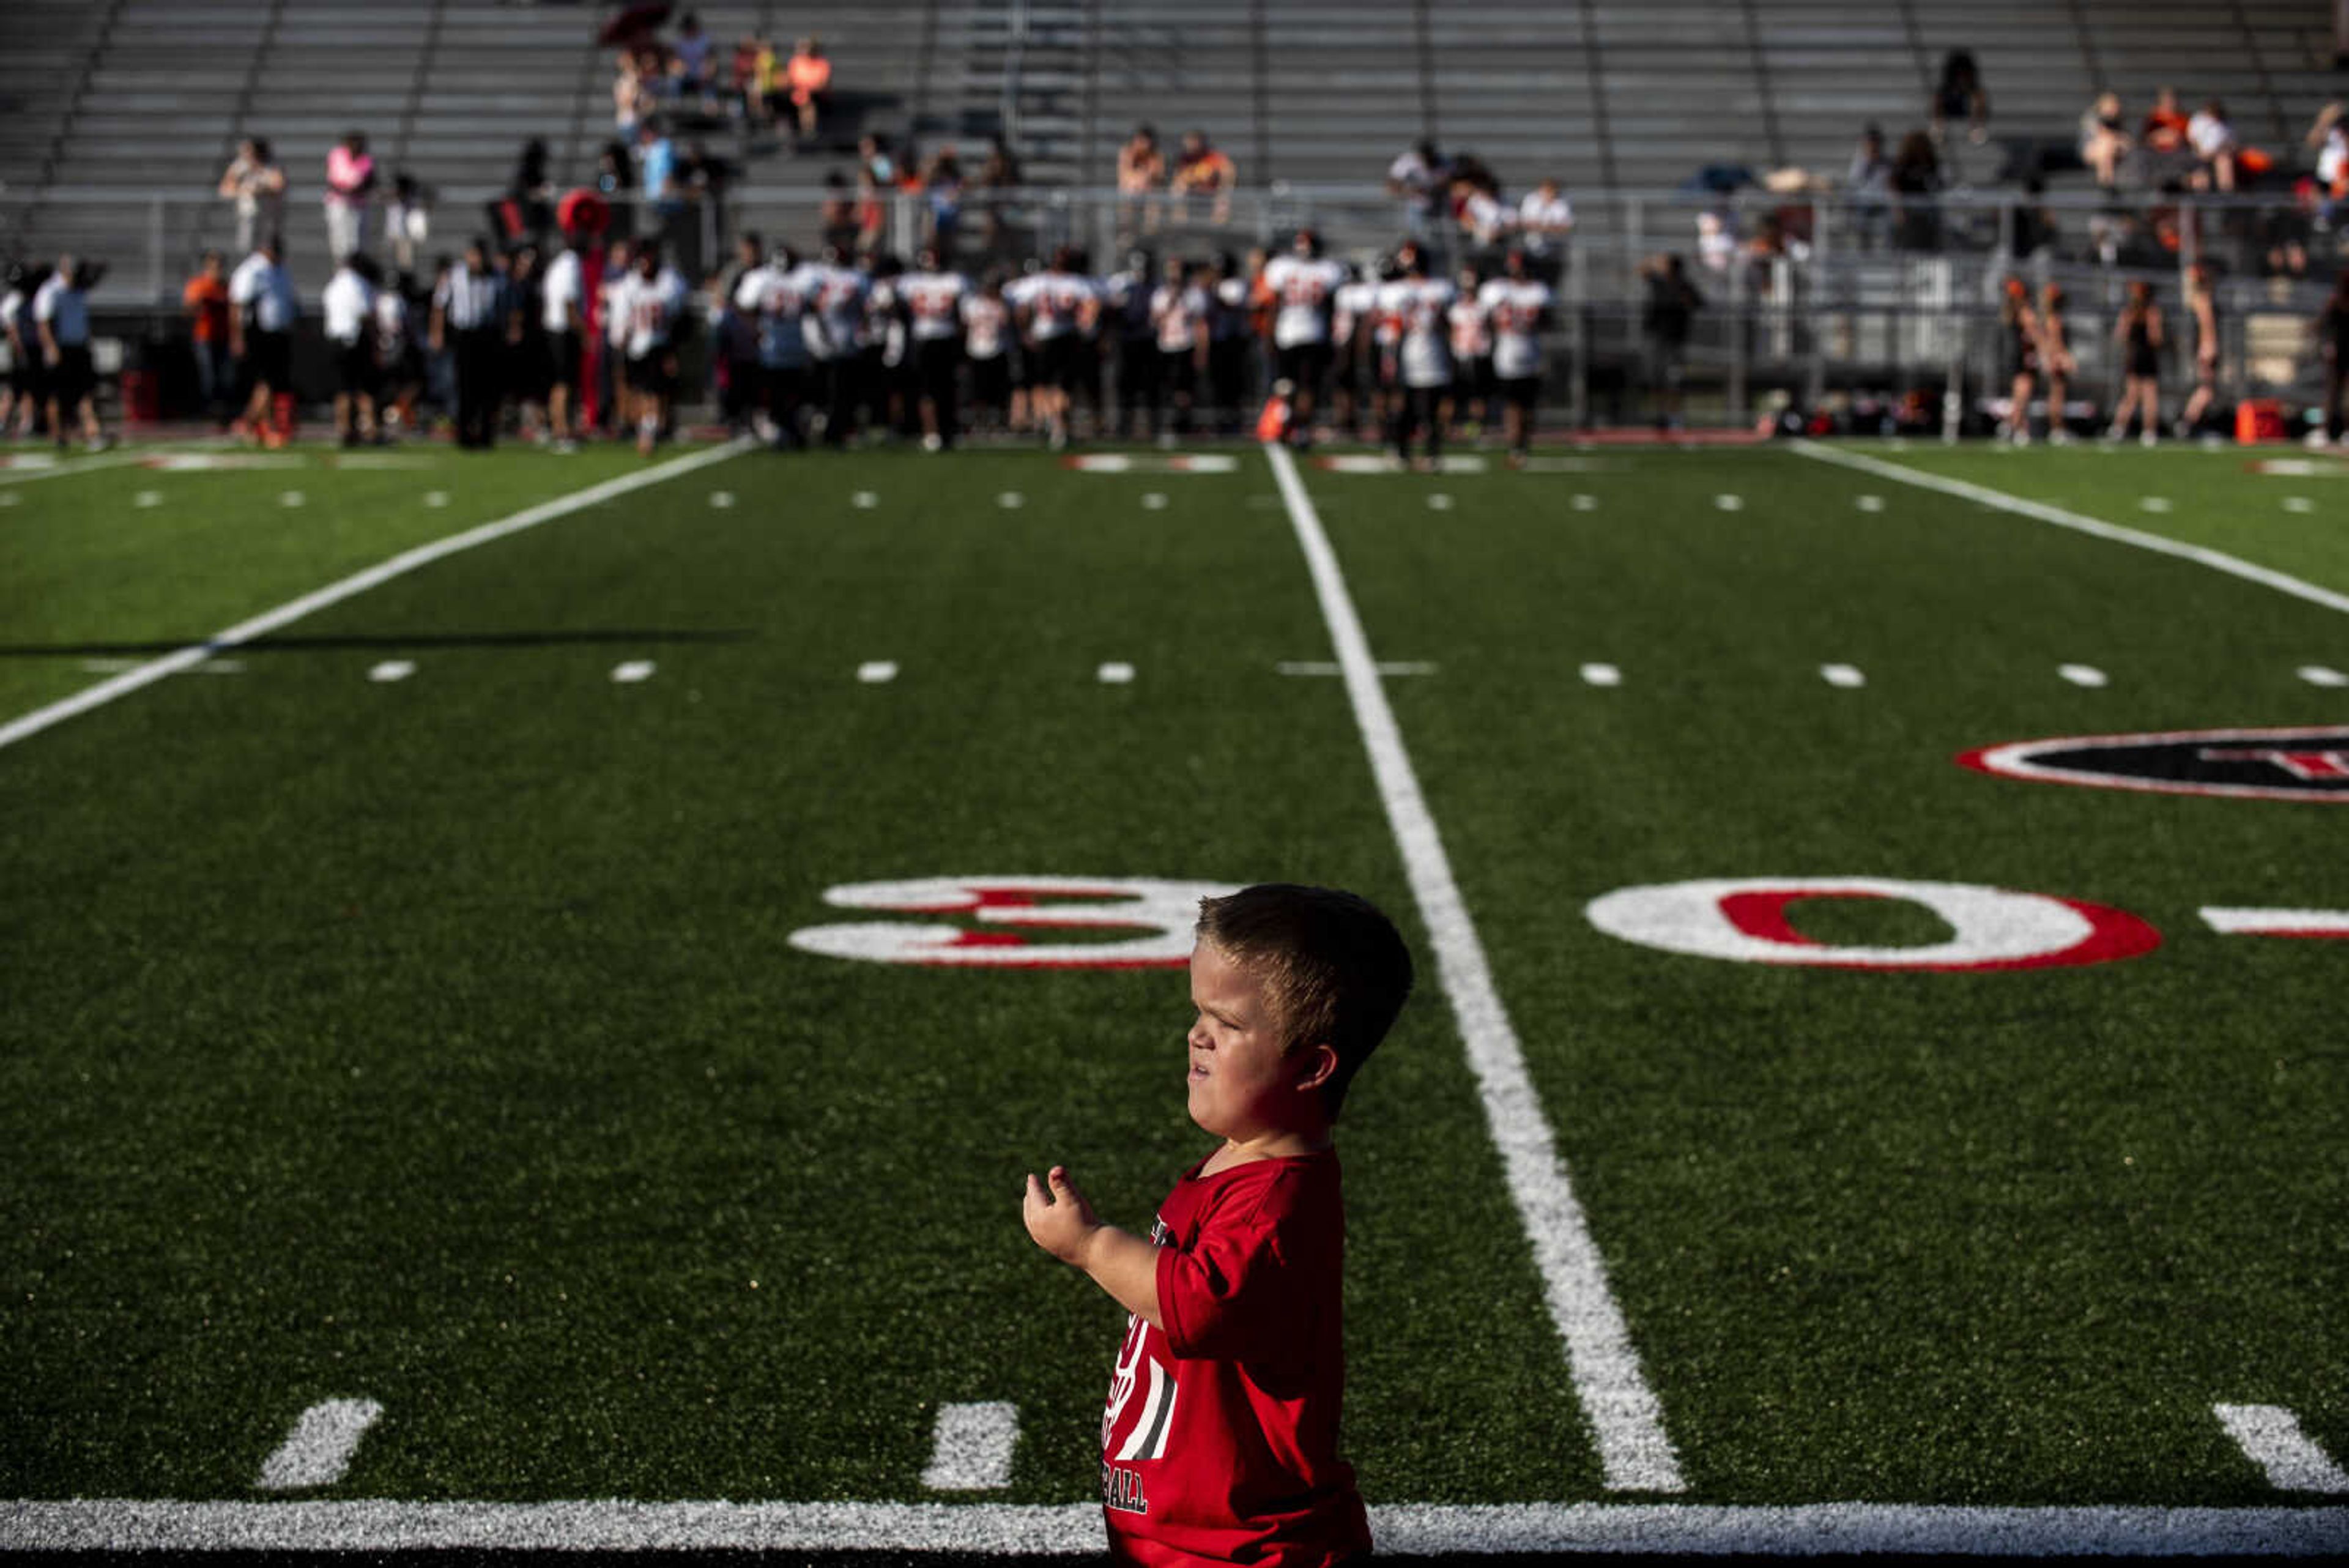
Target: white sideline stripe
[
  {"x": 1115, "y": 673},
  {"x": 971, "y": 1450},
  {"x": 874, "y": 671},
  {"x": 1848, "y": 676},
  {"x": 320, "y": 1447},
  {"x": 1634, "y": 1452},
  {"x": 2323, "y": 675},
  {"x": 2271, "y": 1437},
  {"x": 2083, "y": 675},
  {"x": 2235, "y": 922},
  {"x": 1601, "y": 675},
  {"x": 406, "y": 561},
  {"x": 209, "y": 667},
  {"x": 1000, "y": 1528},
  {"x": 628, "y": 672},
  {"x": 67, "y": 471},
  {"x": 2217, "y": 560}
]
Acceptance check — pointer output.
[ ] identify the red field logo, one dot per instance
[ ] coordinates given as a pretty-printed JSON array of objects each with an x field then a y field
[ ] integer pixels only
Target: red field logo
[
  {"x": 1147, "y": 921},
  {"x": 2259, "y": 764}
]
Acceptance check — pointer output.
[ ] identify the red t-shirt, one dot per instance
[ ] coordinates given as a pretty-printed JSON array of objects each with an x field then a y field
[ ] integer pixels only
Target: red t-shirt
[{"x": 1219, "y": 1442}]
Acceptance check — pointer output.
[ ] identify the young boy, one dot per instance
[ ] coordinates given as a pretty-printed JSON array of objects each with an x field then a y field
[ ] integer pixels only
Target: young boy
[{"x": 1220, "y": 1439}]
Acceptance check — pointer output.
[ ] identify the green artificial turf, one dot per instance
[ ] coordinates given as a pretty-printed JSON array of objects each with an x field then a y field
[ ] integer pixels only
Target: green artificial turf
[{"x": 441, "y": 1042}]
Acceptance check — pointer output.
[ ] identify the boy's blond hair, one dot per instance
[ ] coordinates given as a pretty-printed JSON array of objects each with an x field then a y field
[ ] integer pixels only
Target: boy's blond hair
[{"x": 1335, "y": 970}]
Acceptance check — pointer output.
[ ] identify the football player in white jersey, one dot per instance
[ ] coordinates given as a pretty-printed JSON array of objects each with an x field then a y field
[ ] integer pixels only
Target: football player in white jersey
[
  {"x": 772, "y": 300},
  {"x": 1179, "y": 322},
  {"x": 1516, "y": 307},
  {"x": 1055, "y": 309},
  {"x": 1470, "y": 399},
  {"x": 1302, "y": 285},
  {"x": 562, "y": 302},
  {"x": 348, "y": 303},
  {"x": 652, "y": 302},
  {"x": 1353, "y": 311},
  {"x": 839, "y": 343},
  {"x": 1415, "y": 306},
  {"x": 934, "y": 300},
  {"x": 987, "y": 343}
]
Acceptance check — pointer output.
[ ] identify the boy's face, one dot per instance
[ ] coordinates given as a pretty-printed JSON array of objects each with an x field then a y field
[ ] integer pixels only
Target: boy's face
[{"x": 1243, "y": 1083}]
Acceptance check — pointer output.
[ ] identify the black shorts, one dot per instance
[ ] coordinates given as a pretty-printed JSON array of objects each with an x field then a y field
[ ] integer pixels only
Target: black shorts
[
  {"x": 1472, "y": 378},
  {"x": 1521, "y": 391},
  {"x": 562, "y": 358},
  {"x": 2145, "y": 361},
  {"x": 786, "y": 387},
  {"x": 24, "y": 375},
  {"x": 269, "y": 359},
  {"x": 355, "y": 367},
  {"x": 651, "y": 374},
  {"x": 1177, "y": 370},
  {"x": 934, "y": 362},
  {"x": 70, "y": 379},
  {"x": 990, "y": 380},
  {"x": 526, "y": 367},
  {"x": 1304, "y": 365},
  {"x": 1056, "y": 361}
]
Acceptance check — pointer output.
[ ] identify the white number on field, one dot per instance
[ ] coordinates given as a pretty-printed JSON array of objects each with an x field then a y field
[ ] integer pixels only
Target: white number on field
[{"x": 1006, "y": 910}]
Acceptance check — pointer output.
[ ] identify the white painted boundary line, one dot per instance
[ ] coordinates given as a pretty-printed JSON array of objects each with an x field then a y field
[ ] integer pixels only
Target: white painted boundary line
[
  {"x": 1634, "y": 1452},
  {"x": 67, "y": 471},
  {"x": 2235, "y": 922},
  {"x": 971, "y": 1450},
  {"x": 2270, "y": 1436},
  {"x": 2217, "y": 560},
  {"x": 1075, "y": 1529},
  {"x": 319, "y": 1449},
  {"x": 406, "y": 561}
]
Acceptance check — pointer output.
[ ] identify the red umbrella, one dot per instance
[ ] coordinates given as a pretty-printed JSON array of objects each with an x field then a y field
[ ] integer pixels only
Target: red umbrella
[{"x": 635, "y": 22}]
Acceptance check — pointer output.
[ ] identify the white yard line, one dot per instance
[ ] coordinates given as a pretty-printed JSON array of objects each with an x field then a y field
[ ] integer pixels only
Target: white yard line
[
  {"x": 406, "y": 561},
  {"x": 319, "y": 1449},
  {"x": 2270, "y": 1436},
  {"x": 971, "y": 1450},
  {"x": 1635, "y": 1454},
  {"x": 1075, "y": 1529},
  {"x": 67, "y": 470},
  {"x": 2217, "y": 560}
]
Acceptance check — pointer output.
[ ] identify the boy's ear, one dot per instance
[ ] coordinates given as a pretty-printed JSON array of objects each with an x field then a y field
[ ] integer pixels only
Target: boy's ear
[{"x": 1318, "y": 1063}]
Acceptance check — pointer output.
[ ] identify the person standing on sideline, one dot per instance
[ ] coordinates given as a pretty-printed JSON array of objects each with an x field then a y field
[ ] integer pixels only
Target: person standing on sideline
[
  {"x": 2141, "y": 335},
  {"x": 61, "y": 319},
  {"x": 2019, "y": 333},
  {"x": 652, "y": 304},
  {"x": 469, "y": 318},
  {"x": 205, "y": 299},
  {"x": 1303, "y": 285},
  {"x": 348, "y": 303},
  {"x": 1665, "y": 321},
  {"x": 933, "y": 295},
  {"x": 2333, "y": 346},
  {"x": 257, "y": 186},
  {"x": 263, "y": 309},
  {"x": 350, "y": 191},
  {"x": 2055, "y": 358},
  {"x": 561, "y": 299},
  {"x": 1421, "y": 307},
  {"x": 20, "y": 399},
  {"x": 1516, "y": 306},
  {"x": 2202, "y": 306}
]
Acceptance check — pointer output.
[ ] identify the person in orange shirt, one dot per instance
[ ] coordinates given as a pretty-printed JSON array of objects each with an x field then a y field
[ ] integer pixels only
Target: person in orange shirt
[
  {"x": 2165, "y": 124},
  {"x": 206, "y": 301},
  {"x": 1203, "y": 170},
  {"x": 808, "y": 79}
]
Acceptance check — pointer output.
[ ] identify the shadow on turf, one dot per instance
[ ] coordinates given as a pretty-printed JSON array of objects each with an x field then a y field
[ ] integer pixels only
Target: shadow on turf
[{"x": 380, "y": 642}]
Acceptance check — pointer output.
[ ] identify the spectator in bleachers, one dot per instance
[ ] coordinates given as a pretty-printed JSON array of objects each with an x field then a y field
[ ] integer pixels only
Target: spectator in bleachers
[
  {"x": 2104, "y": 140},
  {"x": 2141, "y": 336},
  {"x": 1545, "y": 223},
  {"x": 656, "y": 172},
  {"x": 632, "y": 96},
  {"x": 836, "y": 215},
  {"x": 615, "y": 178},
  {"x": 1202, "y": 171},
  {"x": 205, "y": 299},
  {"x": 751, "y": 81},
  {"x": 407, "y": 220},
  {"x": 1141, "y": 171},
  {"x": 1959, "y": 97},
  {"x": 264, "y": 311},
  {"x": 942, "y": 197},
  {"x": 2212, "y": 137},
  {"x": 1869, "y": 182},
  {"x": 526, "y": 212},
  {"x": 1419, "y": 178},
  {"x": 2330, "y": 136},
  {"x": 2163, "y": 130},
  {"x": 61, "y": 321},
  {"x": 257, "y": 186},
  {"x": 693, "y": 61},
  {"x": 807, "y": 79},
  {"x": 1477, "y": 207},
  {"x": 1916, "y": 183},
  {"x": 350, "y": 195}
]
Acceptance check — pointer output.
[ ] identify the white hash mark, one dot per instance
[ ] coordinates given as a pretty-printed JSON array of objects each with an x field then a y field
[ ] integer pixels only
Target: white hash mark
[
  {"x": 2270, "y": 1436},
  {"x": 318, "y": 1450},
  {"x": 1846, "y": 676},
  {"x": 628, "y": 672},
  {"x": 2083, "y": 675},
  {"x": 393, "y": 669},
  {"x": 971, "y": 1450},
  {"x": 1115, "y": 674},
  {"x": 2323, "y": 675},
  {"x": 877, "y": 671}
]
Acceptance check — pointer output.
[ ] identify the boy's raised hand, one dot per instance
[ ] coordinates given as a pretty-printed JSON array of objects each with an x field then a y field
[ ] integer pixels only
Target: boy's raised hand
[{"x": 1057, "y": 1216}]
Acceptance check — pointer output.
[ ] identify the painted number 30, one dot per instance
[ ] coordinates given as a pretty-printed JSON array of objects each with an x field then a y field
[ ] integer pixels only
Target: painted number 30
[{"x": 1008, "y": 910}]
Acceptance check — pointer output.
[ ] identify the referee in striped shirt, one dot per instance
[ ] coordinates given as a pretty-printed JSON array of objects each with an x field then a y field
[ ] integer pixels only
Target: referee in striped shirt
[{"x": 472, "y": 313}]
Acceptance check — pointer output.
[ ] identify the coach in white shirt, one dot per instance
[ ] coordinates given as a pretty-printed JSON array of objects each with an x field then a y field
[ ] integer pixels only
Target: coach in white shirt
[
  {"x": 263, "y": 309},
  {"x": 349, "y": 306},
  {"x": 61, "y": 319}
]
